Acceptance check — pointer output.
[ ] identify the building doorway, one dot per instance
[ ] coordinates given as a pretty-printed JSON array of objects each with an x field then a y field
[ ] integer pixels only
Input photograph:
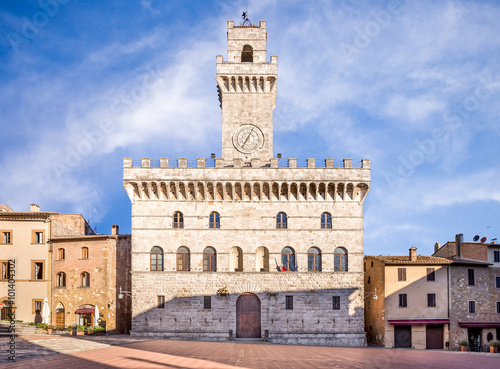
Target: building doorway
[
  {"x": 402, "y": 336},
  {"x": 60, "y": 317},
  {"x": 474, "y": 335},
  {"x": 248, "y": 316},
  {"x": 6, "y": 311},
  {"x": 85, "y": 315},
  {"x": 434, "y": 337}
]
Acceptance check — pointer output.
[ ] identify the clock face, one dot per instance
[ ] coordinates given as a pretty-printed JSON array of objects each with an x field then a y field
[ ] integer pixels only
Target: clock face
[{"x": 248, "y": 138}]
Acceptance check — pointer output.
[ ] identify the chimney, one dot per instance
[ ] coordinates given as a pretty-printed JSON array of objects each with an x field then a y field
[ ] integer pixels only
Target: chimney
[
  {"x": 458, "y": 241},
  {"x": 114, "y": 230},
  {"x": 413, "y": 253},
  {"x": 34, "y": 208},
  {"x": 437, "y": 246}
]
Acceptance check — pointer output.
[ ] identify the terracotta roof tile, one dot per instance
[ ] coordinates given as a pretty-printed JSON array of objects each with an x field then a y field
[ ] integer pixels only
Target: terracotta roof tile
[{"x": 421, "y": 259}]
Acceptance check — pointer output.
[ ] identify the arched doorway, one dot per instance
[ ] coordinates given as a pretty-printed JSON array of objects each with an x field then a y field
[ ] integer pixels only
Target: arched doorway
[
  {"x": 248, "y": 316},
  {"x": 60, "y": 322}
]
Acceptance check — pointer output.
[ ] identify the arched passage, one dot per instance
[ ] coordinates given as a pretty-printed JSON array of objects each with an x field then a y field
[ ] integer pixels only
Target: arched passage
[{"x": 248, "y": 316}]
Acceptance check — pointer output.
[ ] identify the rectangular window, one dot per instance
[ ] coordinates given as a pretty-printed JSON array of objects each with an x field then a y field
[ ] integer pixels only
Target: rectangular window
[
  {"x": 401, "y": 274},
  {"x": 37, "y": 236},
  {"x": 470, "y": 273},
  {"x": 431, "y": 300},
  {"x": 431, "y": 274},
  {"x": 497, "y": 282},
  {"x": 85, "y": 252},
  {"x": 60, "y": 254},
  {"x": 161, "y": 302},
  {"x": 6, "y": 237},
  {"x": 336, "y": 302},
  {"x": 289, "y": 302},
  {"x": 37, "y": 270},
  {"x": 403, "y": 300},
  {"x": 498, "y": 310},
  {"x": 472, "y": 307},
  {"x": 36, "y": 306},
  {"x": 6, "y": 270},
  {"x": 496, "y": 256},
  {"x": 207, "y": 302}
]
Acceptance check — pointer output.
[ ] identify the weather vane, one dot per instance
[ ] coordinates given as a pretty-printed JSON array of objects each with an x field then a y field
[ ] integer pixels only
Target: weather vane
[{"x": 246, "y": 21}]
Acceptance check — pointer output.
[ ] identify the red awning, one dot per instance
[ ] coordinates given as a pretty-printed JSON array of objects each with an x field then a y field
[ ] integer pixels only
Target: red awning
[
  {"x": 418, "y": 321},
  {"x": 479, "y": 324},
  {"x": 85, "y": 311}
]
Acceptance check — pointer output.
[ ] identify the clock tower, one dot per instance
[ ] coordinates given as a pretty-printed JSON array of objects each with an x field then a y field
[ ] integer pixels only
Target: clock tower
[{"x": 246, "y": 83}]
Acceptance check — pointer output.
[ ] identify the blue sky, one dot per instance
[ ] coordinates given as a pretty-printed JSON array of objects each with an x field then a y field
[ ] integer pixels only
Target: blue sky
[{"x": 412, "y": 85}]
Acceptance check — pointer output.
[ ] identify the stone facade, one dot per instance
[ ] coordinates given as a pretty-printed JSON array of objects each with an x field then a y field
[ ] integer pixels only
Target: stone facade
[
  {"x": 233, "y": 206},
  {"x": 106, "y": 259},
  {"x": 473, "y": 278},
  {"x": 27, "y": 244},
  {"x": 385, "y": 313}
]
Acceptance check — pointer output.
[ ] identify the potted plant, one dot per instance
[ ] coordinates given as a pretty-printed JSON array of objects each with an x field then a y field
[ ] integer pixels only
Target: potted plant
[
  {"x": 49, "y": 329},
  {"x": 80, "y": 330},
  {"x": 494, "y": 346},
  {"x": 463, "y": 345}
]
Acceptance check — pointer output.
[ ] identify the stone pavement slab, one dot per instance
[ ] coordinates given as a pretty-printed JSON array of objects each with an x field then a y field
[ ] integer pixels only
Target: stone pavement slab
[{"x": 123, "y": 352}]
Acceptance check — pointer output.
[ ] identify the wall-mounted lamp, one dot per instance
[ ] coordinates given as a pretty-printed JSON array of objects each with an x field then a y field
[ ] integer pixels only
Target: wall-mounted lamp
[
  {"x": 212, "y": 155},
  {"x": 278, "y": 156},
  {"x": 122, "y": 293},
  {"x": 374, "y": 294}
]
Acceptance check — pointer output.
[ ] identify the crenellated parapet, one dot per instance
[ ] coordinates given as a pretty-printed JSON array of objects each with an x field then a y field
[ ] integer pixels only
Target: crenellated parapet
[
  {"x": 238, "y": 163},
  {"x": 219, "y": 180}
]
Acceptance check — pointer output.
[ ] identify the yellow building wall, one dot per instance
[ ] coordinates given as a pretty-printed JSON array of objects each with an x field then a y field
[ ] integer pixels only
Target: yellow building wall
[
  {"x": 24, "y": 252},
  {"x": 416, "y": 287}
]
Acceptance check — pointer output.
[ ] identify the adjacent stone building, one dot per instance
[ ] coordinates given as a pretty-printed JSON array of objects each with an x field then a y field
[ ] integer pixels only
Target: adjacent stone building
[
  {"x": 90, "y": 271},
  {"x": 474, "y": 277},
  {"x": 406, "y": 301},
  {"x": 247, "y": 245},
  {"x": 23, "y": 239}
]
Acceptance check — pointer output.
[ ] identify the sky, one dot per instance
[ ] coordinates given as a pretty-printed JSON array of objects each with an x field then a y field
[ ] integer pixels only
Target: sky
[{"x": 412, "y": 85}]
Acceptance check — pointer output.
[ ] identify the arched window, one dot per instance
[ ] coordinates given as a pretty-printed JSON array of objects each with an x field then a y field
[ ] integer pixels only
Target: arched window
[
  {"x": 247, "y": 54},
  {"x": 61, "y": 279},
  {"x": 85, "y": 279},
  {"x": 85, "y": 252},
  {"x": 314, "y": 260},
  {"x": 156, "y": 258},
  {"x": 340, "y": 259},
  {"x": 183, "y": 262},
  {"x": 235, "y": 259},
  {"x": 209, "y": 260},
  {"x": 288, "y": 258},
  {"x": 178, "y": 220},
  {"x": 214, "y": 220},
  {"x": 326, "y": 221},
  {"x": 281, "y": 221},
  {"x": 61, "y": 254},
  {"x": 262, "y": 259}
]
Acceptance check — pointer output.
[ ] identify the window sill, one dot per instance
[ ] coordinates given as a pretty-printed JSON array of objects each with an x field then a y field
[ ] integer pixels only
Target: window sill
[
  {"x": 84, "y": 287},
  {"x": 60, "y": 287},
  {"x": 38, "y": 243},
  {"x": 84, "y": 259},
  {"x": 38, "y": 280},
  {"x": 6, "y": 244}
]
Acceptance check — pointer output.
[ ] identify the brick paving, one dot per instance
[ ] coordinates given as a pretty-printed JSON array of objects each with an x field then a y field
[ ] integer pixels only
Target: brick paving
[{"x": 110, "y": 352}]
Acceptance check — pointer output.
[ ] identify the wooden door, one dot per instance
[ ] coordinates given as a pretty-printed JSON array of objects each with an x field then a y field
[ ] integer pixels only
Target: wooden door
[
  {"x": 248, "y": 316},
  {"x": 434, "y": 337},
  {"x": 402, "y": 336},
  {"x": 60, "y": 320}
]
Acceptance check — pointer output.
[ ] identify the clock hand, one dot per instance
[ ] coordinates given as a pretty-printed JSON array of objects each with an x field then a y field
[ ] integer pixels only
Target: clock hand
[{"x": 247, "y": 138}]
